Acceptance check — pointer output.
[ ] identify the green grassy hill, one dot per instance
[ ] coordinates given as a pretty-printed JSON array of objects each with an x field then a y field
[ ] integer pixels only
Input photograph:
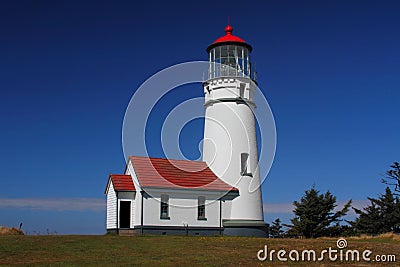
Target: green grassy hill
[{"x": 174, "y": 250}]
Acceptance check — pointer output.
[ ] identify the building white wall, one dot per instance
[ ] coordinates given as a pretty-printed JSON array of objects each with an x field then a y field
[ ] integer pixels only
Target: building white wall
[
  {"x": 182, "y": 209},
  {"x": 111, "y": 220},
  {"x": 232, "y": 87},
  {"x": 138, "y": 198},
  {"x": 226, "y": 210},
  {"x": 230, "y": 130}
]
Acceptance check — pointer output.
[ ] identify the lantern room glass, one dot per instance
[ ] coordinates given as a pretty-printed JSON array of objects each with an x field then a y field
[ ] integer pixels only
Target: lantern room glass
[{"x": 229, "y": 61}]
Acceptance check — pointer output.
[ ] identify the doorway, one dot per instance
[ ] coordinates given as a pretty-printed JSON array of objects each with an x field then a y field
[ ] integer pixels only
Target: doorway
[{"x": 125, "y": 214}]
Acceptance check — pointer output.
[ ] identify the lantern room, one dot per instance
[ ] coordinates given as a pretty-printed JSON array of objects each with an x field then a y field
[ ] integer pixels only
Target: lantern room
[{"x": 229, "y": 56}]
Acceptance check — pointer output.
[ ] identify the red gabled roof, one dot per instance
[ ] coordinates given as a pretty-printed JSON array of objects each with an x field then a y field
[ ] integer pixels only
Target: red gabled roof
[
  {"x": 121, "y": 182},
  {"x": 177, "y": 174}
]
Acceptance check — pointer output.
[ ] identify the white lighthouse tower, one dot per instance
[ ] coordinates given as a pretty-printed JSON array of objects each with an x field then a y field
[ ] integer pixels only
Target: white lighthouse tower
[{"x": 230, "y": 142}]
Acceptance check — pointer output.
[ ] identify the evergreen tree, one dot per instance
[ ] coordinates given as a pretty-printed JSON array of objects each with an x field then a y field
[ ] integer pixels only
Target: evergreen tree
[
  {"x": 381, "y": 216},
  {"x": 369, "y": 221},
  {"x": 314, "y": 214},
  {"x": 389, "y": 206},
  {"x": 339, "y": 230},
  {"x": 275, "y": 231},
  {"x": 392, "y": 177}
]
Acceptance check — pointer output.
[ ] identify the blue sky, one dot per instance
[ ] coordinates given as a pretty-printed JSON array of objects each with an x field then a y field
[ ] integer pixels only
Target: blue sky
[{"x": 329, "y": 69}]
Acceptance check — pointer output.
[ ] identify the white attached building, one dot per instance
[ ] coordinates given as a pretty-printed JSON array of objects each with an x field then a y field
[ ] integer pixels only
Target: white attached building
[{"x": 165, "y": 196}]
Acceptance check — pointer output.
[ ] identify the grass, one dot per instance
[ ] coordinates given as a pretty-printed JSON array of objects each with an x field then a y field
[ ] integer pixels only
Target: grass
[{"x": 112, "y": 250}]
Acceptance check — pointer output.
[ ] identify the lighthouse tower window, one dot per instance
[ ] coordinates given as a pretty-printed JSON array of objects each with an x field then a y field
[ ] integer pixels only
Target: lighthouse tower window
[
  {"x": 244, "y": 160},
  {"x": 229, "y": 61}
]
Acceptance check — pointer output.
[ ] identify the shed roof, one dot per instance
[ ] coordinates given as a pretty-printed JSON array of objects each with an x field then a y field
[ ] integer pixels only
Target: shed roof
[{"x": 121, "y": 182}]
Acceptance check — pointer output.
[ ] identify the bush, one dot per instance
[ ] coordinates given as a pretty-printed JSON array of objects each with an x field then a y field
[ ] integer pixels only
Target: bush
[{"x": 10, "y": 231}]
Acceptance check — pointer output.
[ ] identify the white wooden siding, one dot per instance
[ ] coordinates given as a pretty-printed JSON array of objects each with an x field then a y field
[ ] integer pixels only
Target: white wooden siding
[
  {"x": 136, "y": 218},
  {"x": 111, "y": 208},
  {"x": 138, "y": 203}
]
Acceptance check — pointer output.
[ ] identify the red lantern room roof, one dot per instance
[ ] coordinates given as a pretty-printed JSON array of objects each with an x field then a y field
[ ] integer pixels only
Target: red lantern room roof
[{"x": 228, "y": 38}]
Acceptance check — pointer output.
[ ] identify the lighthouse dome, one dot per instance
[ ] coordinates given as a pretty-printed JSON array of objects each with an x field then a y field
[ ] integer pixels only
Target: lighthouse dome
[{"x": 229, "y": 38}]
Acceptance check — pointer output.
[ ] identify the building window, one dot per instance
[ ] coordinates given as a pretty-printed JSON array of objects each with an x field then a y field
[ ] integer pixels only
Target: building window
[
  {"x": 201, "y": 208},
  {"x": 244, "y": 161},
  {"x": 164, "y": 210},
  {"x": 241, "y": 91}
]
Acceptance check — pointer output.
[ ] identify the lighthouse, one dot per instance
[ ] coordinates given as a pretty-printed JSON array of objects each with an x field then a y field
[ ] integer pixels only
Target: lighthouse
[{"x": 230, "y": 141}]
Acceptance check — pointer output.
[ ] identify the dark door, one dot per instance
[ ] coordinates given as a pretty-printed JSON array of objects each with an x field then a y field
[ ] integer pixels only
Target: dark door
[{"x": 125, "y": 214}]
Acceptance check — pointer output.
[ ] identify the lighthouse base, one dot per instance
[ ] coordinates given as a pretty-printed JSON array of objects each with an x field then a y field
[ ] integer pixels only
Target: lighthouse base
[{"x": 255, "y": 228}]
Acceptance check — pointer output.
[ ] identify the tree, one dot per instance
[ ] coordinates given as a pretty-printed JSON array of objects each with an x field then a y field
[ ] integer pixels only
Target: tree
[
  {"x": 381, "y": 216},
  {"x": 275, "y": 230},
  {"x": 369, "y": 220},
  {"x": 392, "y": 177},
  {"x": 340, "y": 230},
  {"x": 314, "y": 214}
]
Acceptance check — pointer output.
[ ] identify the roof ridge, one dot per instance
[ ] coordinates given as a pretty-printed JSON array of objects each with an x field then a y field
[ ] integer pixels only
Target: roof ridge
[{"x": 183, "y": 160}]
